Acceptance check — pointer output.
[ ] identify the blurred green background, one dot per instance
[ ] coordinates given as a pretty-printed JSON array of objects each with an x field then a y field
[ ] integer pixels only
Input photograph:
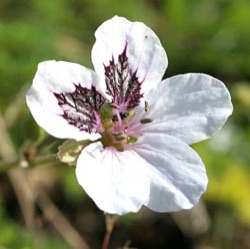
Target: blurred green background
[{"x": 209, "y": 36}]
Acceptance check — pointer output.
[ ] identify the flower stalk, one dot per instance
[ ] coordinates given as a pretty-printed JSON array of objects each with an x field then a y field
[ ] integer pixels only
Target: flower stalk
[
  {"x": 6, "y": 165},
  {"x": 110, "y": 224}
]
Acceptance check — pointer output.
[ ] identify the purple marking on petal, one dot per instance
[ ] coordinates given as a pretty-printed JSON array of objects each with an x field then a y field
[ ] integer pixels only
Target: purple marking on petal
[
  {"x": 79, "y": 107},
  {"x": 122, "y": 84}
]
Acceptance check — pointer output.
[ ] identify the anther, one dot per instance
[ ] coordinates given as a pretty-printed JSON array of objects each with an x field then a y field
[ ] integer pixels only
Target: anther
[
  {"x": 146, "y": 120},
  {"x": 119, "y": 136},
  {"x": 146, "y": 106}
]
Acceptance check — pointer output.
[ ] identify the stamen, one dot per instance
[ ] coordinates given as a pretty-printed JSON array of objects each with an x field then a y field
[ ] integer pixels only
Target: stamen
[
  {"x": 119, "y": 136},
  {"x": 119, "y": 119},
  {"x": 113, "y": 105},
  {"x": 146, "y": 106},
  {"x": 146, "y": 120},
  {"x": 124, "y": 115},
  {"x": 128, "y": 115},
  {"x": 119, "y": 147},
  {"x": 132, "y": 140}
]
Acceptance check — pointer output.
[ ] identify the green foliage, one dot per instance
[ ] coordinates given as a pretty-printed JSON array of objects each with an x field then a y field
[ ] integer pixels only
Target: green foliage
[{"x": 16, "y": 237}]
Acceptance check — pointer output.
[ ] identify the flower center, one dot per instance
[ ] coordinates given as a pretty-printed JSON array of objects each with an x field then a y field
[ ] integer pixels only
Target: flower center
[
  {"x": 116, "y": 127},
  {"x": 89, "y": 111}
]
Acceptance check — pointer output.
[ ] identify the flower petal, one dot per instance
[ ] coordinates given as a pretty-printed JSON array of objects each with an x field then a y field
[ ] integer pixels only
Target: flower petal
[
  {"x": 190, "y": 107},
  {"x": 114, "y": 180},
  {"x": 55, "y": 78},
  {"x": 177, "y": 174},
  {"x": 146, "y": 56}
]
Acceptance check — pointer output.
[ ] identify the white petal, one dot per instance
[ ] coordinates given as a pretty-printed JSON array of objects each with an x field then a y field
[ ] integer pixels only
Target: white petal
[
  {"x": 177, "y": 174},
  {"x": 190, "y": 107},
  {"x": 146, "y": 56},
  {"x": 58, "y": 77},
  {"x": 115, "y": 181}
]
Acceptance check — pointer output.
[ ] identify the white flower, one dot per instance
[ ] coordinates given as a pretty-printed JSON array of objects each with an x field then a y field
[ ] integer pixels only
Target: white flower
[{"x": 141, "y": 127}]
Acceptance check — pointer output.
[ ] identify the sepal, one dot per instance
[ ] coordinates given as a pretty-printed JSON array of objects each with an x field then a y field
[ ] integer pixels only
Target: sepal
[{"x": 70, "y": 150}]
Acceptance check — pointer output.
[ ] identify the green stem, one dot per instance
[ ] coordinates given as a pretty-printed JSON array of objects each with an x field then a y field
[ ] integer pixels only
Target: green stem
[
  {"x": 36, "y": 161},
  {"x": 45, "y": 142},
  {"x": 8, "y": 164}
]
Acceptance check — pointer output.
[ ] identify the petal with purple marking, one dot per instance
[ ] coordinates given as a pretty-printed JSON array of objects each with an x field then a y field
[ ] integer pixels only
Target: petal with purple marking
[
  {"x": 146, "y": 56},
  {"x": 63, "y": 98}
]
